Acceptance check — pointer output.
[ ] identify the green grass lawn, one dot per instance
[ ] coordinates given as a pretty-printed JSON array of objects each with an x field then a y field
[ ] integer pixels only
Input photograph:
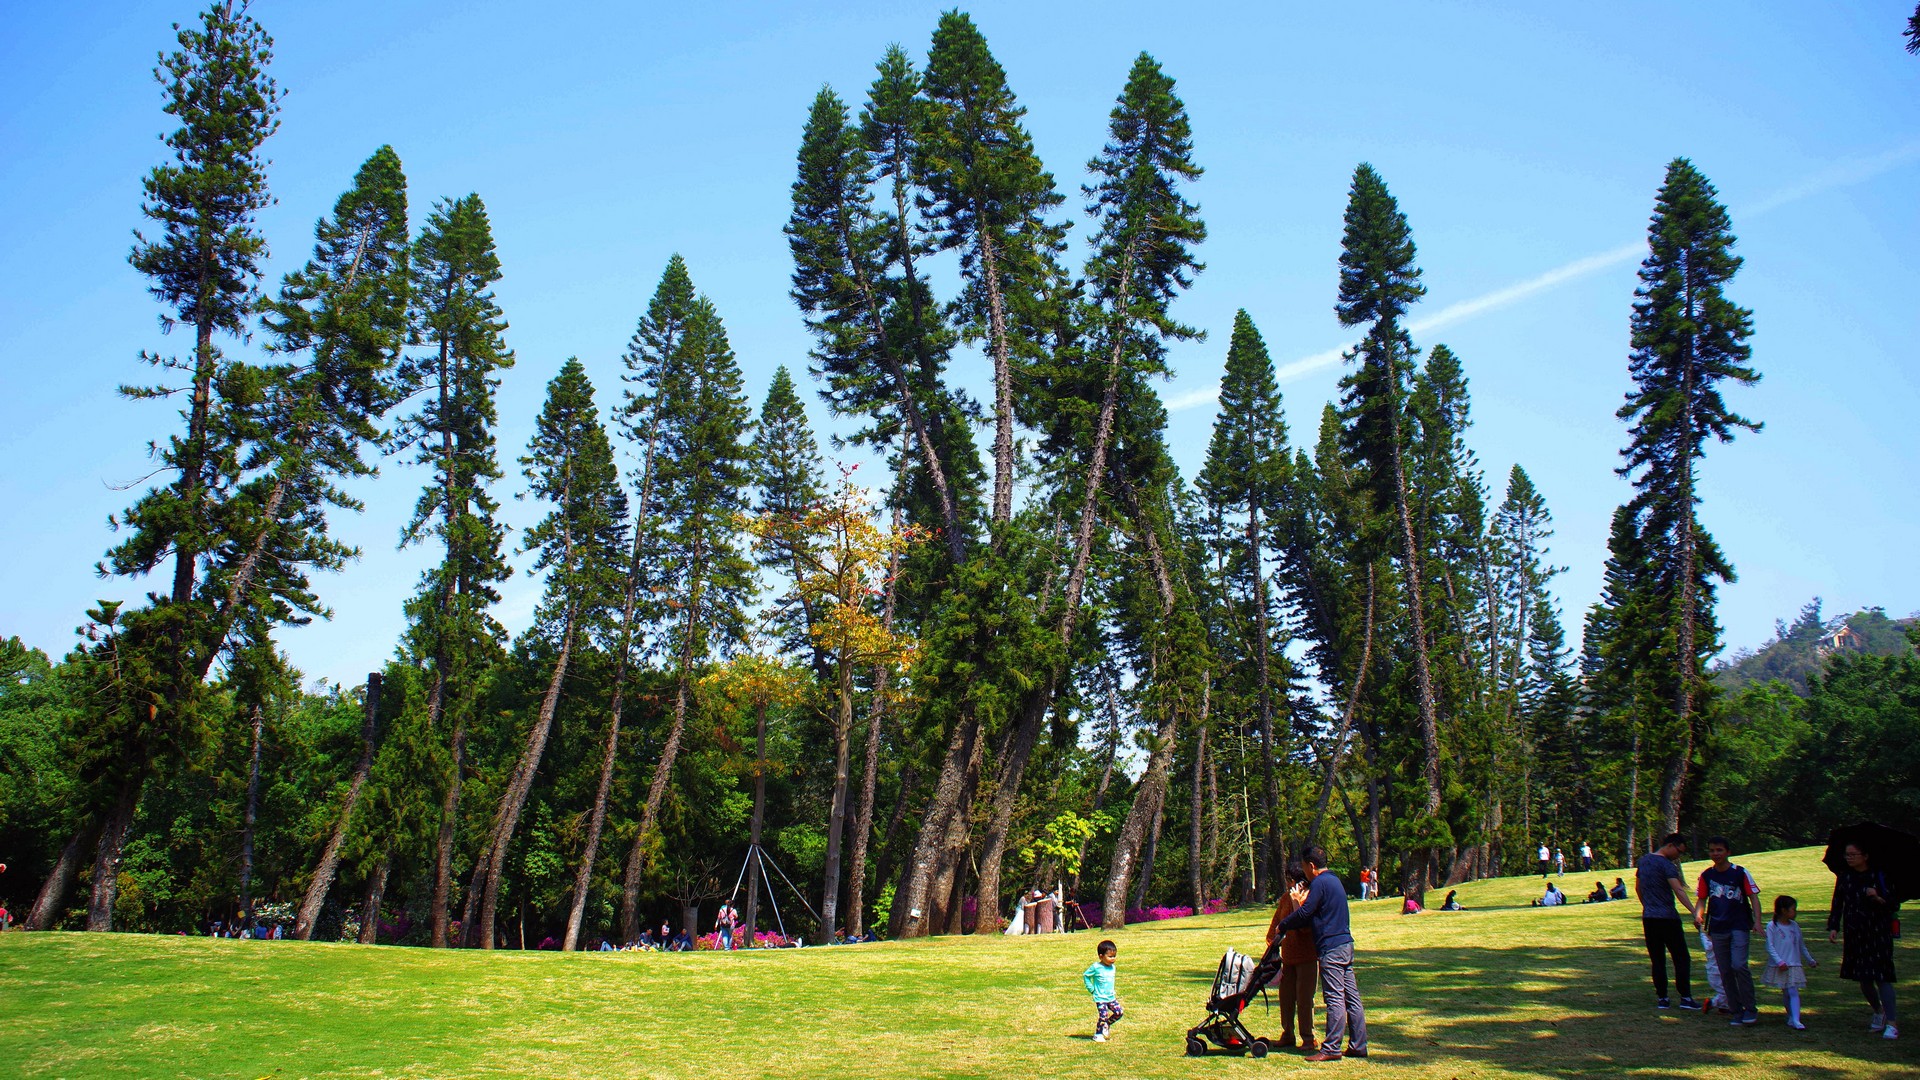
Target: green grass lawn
[{"x": 1502, "y": 989}]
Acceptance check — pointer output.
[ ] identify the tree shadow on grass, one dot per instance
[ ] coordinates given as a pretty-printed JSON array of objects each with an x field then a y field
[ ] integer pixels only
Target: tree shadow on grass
[{"x": 1587, "y": 1012}]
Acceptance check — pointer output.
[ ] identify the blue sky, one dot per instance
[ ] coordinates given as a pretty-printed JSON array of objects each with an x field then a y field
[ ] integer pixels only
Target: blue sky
[{"x": 1525, "y": 143}]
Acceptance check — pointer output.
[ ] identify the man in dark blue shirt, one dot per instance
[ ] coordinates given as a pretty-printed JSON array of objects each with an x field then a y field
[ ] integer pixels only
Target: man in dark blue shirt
[{"x": 1324, "y": 912}]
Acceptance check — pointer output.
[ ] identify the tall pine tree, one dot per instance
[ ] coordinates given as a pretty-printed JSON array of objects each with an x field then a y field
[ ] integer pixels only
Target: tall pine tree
[{"x": 1688, "y": 339}]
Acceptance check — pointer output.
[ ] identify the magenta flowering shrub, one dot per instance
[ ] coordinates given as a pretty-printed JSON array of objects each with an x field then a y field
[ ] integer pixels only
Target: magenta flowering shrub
[
  {"x": 1214, "y": 907},
  {"x": 1095, "y": 912}
]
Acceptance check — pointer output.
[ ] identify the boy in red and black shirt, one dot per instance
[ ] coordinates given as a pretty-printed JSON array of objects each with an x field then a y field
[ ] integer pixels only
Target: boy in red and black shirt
[{"x": 1730, "y": 912}]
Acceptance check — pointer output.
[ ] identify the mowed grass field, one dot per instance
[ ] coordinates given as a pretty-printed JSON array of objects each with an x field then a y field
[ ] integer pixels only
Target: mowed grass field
[{"x": 1502, "y": 989}]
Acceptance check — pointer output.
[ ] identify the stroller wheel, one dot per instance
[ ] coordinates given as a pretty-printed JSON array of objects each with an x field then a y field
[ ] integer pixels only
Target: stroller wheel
[
  {"x": 1258, "y": 1049},
  {"x": 1196, "y": 1047}
]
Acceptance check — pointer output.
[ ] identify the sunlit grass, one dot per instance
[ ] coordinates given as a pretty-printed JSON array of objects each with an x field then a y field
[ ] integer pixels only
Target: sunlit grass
[{"x": 1500, "y": 990}]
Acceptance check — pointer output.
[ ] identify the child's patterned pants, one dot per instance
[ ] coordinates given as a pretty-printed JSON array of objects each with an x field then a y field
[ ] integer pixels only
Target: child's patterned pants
[{"x": 1109, "y": 1014}]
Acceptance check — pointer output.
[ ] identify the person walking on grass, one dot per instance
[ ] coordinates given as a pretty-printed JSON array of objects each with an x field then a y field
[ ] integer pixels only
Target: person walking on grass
[
  {"x": 1586, "y": 857},
  {"x": 1787, "y": 957},
  {"x": 1545, "y": 860},
  {"x": 1657, "y": 883},
  {"x": 1299, "y": 964},
  {"x": 1098, "y": 979},
  {"x": 1863, "y": 908},
  {"x": 1730, "y": 911},
  {"x": 1324, "y": 911},
  {"x": 1559, "y": 862}
]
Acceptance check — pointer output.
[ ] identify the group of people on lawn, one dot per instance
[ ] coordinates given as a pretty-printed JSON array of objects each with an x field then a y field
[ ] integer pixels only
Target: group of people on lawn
[{"x": 1726, "y": 909}]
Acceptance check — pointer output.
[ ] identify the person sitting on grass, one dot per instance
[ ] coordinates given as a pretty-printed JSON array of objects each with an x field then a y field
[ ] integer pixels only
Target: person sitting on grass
[
  {"x": 1598, "y": 895},
  {"x": 1619, "y": 890},
  {"x": 1553, "y": 898},
  {"x": 1410, "y": 906},
  {"x": 1452, "y": 903},
  {"x": 1098, "y": 979}
]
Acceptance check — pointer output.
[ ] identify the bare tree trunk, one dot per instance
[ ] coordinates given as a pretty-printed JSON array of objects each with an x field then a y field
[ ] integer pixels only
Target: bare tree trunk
[
  {"x": 1133, "y": 833},
  {"x": 1346, "y": 718},
  {"x": 1196, "y": 875},
  {"x": 759, "y": 818},
  {"x": 1414, "y": 875},
  {"x": 514, "y": 799},
  {"x": 106, "y": 859},
  {"x": 246, "y": 828},
  {"x": 669, "y": 752},
  {"x": 1152, "y": 854},
  {"x": 370, "y": 909},
  {"x": 837, "y": 814},
  {"x": 330, "y": 858},
  {"x": 914, "y": 899},
  {"x": 53, "y": 893},
  {"x": 870, "y": 768},
  {"x": 449, "y": 817}
]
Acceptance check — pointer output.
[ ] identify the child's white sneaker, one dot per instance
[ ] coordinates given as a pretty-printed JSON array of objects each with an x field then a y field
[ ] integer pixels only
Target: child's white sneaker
[
  {"x": 1099, "y": 1038},
  {"x": 1891, "y": 1032}
]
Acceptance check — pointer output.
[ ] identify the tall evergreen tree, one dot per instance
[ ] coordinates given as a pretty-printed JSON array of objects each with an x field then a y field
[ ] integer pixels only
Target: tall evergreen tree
[
  {"x": 786, "y": 469},
  {"x": 1378, "y": 283},
  {"x": 839, "y": 249},
  {"x": 451, "y": 431},
  {"x": 655, "y": 371},
  {"x": 580, "y": 545},
  {"x": 701, "y": 476},
  {"x": 1688, "y": 339},
  {"x": 1142, "y": 259},
  {"x": 202, "y": 265},
  {"x": 987, "y": 197},
  {"x": 1246, "y": 473}
]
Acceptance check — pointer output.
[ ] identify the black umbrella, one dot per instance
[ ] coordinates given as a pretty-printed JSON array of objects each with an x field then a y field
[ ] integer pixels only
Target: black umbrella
[{"x": 1889, "y": 851}]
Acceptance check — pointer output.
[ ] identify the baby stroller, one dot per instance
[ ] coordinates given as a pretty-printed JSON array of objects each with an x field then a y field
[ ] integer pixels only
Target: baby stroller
[{"x": 1234, "y": 985}]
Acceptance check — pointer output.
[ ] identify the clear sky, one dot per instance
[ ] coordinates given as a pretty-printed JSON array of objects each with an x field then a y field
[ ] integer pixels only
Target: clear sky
[{"x": 1525, "y": 143}]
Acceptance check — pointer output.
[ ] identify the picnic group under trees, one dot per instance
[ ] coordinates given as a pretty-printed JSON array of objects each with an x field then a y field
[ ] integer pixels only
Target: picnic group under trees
[{"x": 890, "y": 707}]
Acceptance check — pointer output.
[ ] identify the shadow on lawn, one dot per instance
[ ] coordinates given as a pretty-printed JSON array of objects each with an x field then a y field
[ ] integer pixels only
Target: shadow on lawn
[{"x": 1585, "y": 1012}]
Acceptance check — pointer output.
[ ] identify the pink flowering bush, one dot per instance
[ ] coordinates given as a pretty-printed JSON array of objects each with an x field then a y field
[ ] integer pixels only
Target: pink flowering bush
[
  {"x": 1095, "y": 912},
  {"x": 1214, "y": 907}
]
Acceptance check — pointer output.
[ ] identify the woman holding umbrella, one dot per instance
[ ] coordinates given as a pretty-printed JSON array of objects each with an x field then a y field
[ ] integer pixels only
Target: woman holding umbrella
[{"x": 1863, "y": 909}]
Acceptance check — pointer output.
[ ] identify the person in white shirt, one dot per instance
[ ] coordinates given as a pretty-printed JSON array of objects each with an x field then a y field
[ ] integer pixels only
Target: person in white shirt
[{"x": 1545, "y": 857}]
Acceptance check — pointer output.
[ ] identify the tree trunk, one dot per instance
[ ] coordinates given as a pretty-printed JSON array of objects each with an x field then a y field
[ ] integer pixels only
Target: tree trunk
[
  {"x": 514, "y": 800},
  {"x": 1196, "y": 875},
  {"x": 596, "y": 822},
  {"x": 449, "y": 816},
  {"x": 949, "y": 877},
  {"x": 246, "y": 828},
  {"x": 1415, "y": 873},
  {"x": 1002, "y": 377},
  {"x": 106, "y": 860},
  {"x": 330, "y": 857},
  {"x": 370, "y": 909},
  {"x": 1133, "y": 834},
  {"x": 759, "y": 818},
  {"x": 1270, "y": 841},
  {"x": 914, "y": 898},
  {"x": 669, "y": 752},
  {"x": 53, "y": 893},
  {"x": 863, "y": 819},
  {"x": 837, "y": 814},
  {"x": 1346, "y": 718}
]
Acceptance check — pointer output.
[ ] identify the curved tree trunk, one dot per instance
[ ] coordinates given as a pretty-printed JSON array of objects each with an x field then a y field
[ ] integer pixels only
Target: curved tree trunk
[
  {"x": 330, "y": 858},
  {"x": 53, "y": 892},
  {"x": 370, "y": 908},
  {"x": 514, "y": 799},
  {"x": 246, "y": 828},
  {"x": 837, "y": 815}
]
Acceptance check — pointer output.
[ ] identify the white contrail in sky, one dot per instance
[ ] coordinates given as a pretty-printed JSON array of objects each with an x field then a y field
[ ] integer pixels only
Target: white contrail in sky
[{"x": 1844, "y": 174}]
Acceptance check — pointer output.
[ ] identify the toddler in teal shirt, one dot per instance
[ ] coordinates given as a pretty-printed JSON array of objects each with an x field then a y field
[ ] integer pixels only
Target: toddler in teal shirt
[{"x": 1099, "y": 981}]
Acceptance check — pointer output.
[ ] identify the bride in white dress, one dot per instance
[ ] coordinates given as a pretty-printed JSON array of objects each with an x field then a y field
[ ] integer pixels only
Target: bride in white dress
[{"x": 1018, "y": 924}]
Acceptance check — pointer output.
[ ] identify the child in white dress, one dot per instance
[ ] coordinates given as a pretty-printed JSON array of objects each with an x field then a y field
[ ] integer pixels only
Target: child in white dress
[{"x": 1787, "y": 957}]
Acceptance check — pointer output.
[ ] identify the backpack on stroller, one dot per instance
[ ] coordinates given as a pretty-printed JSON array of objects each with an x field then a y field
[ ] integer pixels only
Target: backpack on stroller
[{"x": 1238, "y": 979}]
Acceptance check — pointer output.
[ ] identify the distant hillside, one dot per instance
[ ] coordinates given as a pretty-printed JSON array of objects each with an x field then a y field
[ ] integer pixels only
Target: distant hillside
[{"x": 1800, "y": 649}]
